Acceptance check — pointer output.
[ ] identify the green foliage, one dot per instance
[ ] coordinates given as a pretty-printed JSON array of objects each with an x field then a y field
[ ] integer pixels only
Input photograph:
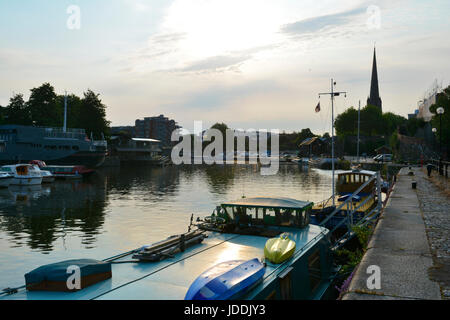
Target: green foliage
[
  {"x": 46, "y": 108},
  {"x": 43, "y": 106},
  {"x": 442, "y": 125},
  {"x": 393, "y": 142},
  {"x": 346, "y": 123},
  {"x": 372, "y": 122},
  {"x": 412, "y": 125},
  {"x": 93, "y": 115},
  {"x": 350, "y": 258},
  {"x": 222, "y": 127},
  {"x": 17, "y": 111},
  {"x": 391, "y": 122}
]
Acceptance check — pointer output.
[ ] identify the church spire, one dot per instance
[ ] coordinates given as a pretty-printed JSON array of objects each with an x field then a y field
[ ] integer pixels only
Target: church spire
[{"x": 374, "y": 98}]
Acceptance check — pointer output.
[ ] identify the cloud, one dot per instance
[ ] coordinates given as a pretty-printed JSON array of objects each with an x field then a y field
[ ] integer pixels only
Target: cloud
[
  {"x": 316, "y": 24},
  {"x": 216, "y": 64},
  {"x": 167, "y": 38}
]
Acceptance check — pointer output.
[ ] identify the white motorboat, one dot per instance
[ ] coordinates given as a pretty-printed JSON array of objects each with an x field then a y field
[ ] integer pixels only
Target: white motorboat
[
  {"x": 5, "y": 179},
  {"x": 47, "y": 176},
  {"x": 23, "y": 174}
]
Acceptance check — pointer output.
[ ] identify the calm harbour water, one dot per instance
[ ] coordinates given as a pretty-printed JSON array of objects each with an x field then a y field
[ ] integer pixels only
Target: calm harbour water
[{"x": 120, "y": 209}]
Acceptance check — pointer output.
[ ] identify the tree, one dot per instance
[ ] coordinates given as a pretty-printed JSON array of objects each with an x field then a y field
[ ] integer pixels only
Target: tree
[
  {"x": 92, "y": 115},
  {"x": 442, "y": 122},
  {"x": 43, "y": 106},
  {"x": 411, "y": 126},
  {"x": 17, "y": 112},
  {"x": 391, "y": 122},
  {"x": 73, "y": 110},
  {"x": 222, "y": 127},
  {"x": 346, "y": 123},
  {"x": 371, "y": 121},
  {"x": 304, "y": 134}
]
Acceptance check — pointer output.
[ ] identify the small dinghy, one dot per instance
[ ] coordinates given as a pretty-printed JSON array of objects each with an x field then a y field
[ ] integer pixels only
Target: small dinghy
[
  {"x": 226, "y": 280},
  {"x": 55, "y": 276},
  {"x": 279, "y": 249}
]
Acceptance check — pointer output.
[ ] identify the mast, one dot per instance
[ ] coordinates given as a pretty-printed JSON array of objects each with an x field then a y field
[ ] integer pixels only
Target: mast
[
  {"x": 332, "y": 139},
  {"x": 65, "y": 111},
  {"x": 357, "y": 147},
  {"x": 332, "y": 94}
]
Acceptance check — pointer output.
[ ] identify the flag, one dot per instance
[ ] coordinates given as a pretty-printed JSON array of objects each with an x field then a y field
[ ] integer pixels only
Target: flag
[{"x": 318, "y": 107}]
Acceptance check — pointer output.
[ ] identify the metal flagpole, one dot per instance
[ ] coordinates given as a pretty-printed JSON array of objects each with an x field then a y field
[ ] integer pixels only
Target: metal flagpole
[
  {"x": 332, "y": 94},
  {"x": 65, "y": 111},
  {"x": 359, "y": 109}
]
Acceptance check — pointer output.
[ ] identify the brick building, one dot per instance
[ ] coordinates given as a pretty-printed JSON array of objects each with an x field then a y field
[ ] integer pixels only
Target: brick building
[{"x": 159, "y": 128}]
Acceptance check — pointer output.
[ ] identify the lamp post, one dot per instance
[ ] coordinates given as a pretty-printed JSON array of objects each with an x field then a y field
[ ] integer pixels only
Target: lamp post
[{"x": 440, "y": 111}]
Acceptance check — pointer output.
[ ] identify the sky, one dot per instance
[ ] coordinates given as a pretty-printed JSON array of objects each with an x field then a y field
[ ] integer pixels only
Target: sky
[{"x": 247, "y": 63}]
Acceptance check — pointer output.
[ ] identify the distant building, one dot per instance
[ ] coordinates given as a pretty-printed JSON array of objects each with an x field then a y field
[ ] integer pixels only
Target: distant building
[
  {"x": 374, "y": 98},
  {"x": 159, "y": 128},
  {"x": 383, "y": 150},
  {"x": 128, "y": 129},
  {"x": 429, "y": 99},
  {"x": 314, "y": 146},
  {"x": 413, "y": 115}
]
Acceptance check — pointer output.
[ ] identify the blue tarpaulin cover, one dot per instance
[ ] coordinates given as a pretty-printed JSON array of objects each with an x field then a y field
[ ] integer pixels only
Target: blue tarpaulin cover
[{"x": 58, "y": 271}]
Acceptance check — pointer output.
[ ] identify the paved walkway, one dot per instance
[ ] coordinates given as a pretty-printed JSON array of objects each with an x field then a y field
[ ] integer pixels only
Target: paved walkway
[{"x": 400, "y": 248}]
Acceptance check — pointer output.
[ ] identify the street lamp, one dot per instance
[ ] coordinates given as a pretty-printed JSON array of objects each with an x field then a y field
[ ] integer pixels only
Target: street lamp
[{"x": 440, "y": 111}]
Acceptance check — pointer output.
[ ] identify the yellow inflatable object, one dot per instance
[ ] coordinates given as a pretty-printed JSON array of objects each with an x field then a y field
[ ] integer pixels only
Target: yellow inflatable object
[{"x": 279, "y": 249}]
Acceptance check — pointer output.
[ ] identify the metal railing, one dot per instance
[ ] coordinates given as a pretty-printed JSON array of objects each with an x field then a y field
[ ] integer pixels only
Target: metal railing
[
  {"x": 350, "y": 210},
  {"x": 442, "y": 166}
]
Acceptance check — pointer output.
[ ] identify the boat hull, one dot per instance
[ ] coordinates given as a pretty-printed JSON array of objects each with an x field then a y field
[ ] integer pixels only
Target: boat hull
[
  {"x": 26, "y": 181},
  {"x": 5, "y": 181}
]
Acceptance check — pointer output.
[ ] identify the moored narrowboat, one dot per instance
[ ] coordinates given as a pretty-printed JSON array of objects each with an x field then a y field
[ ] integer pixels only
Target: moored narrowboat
[
  {"x": 222, "y": 258},
  {"x": 355, "y": 192}
]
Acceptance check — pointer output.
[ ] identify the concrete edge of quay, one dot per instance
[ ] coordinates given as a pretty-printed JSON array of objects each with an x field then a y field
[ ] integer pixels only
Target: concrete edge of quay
[{"x": 399, "y": 247}]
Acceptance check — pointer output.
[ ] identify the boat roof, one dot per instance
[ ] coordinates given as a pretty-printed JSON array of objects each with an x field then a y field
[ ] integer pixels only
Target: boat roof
[
  {"x": 265, "y": 202},
  {"x": 367, "y": 172},
  {"x": 171, "y": 278},
  {"x": 145, "y": 140},
  {"x": 18, "y": 165}
]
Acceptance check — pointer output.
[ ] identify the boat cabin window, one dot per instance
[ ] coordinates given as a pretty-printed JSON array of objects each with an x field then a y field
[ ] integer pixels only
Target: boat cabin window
[
  {"x": 271, "y": 216},
  {"x": 23, "y": 170}
]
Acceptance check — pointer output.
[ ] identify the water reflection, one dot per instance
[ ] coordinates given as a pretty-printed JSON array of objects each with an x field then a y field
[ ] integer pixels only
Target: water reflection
[
  {"x": 38, "y": 215},
  {"x": 137, "y": 202}
]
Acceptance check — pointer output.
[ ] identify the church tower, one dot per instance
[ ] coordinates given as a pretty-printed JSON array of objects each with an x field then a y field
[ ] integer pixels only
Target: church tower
[{"x": 374, "y": 98}]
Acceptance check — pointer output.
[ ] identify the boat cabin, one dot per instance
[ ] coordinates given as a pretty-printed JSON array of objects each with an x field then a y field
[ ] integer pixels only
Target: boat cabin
[
  {"x": 21, "y": 170},
  {"x": 349, "y": 181},
  {"x": 265, "y": 211}
]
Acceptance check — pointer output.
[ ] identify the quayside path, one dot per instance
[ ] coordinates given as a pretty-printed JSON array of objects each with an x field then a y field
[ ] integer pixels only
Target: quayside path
[{"x": 409, "y": 249}]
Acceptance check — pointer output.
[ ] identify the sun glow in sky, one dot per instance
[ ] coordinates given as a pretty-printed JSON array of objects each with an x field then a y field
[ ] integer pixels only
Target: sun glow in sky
[{"x": 247, "y": 63}]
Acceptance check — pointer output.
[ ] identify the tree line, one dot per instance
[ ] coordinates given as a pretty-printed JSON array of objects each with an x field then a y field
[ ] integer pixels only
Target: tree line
[
  {"x": 46, "y": 108},
  {"x": 375, "y": 123}
]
